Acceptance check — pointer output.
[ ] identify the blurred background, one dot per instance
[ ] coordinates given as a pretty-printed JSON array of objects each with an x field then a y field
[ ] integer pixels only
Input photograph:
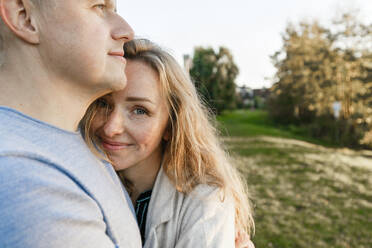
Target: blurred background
[{"x": 291, "y": 84}]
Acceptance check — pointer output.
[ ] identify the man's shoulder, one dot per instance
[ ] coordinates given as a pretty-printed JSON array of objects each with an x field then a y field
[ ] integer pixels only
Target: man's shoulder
[
  {"x": 23, "y": 136},
  {"x": 21, "y": 177},
  {"x": 19, "y": 136},
  {"x": 50, "y": 181},
  {"x": 11, "y": 133},
  {"x": 42, "y": 207}
]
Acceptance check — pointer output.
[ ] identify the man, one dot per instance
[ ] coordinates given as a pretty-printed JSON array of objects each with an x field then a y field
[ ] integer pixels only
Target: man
[{"x": 56, "y": 57}]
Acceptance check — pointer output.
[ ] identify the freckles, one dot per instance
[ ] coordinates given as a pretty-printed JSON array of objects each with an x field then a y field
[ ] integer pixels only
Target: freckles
[{"x": 147, "y": 136}]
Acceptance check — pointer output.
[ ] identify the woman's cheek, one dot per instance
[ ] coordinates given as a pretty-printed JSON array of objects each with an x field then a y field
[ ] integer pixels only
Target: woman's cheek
[
  {"x": 148, "y": 134},
  {"x": 145, "y": 137}
]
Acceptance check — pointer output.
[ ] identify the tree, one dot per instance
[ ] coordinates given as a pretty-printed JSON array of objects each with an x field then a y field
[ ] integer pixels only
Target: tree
[
  {"x": 318, "y": 66},
  {"x": 302, "y": 74},
  {"x": 214, "y": 75}
]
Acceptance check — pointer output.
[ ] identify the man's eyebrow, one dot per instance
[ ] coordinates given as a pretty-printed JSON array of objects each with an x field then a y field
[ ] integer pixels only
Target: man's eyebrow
[{"x": 138, "y": 99}]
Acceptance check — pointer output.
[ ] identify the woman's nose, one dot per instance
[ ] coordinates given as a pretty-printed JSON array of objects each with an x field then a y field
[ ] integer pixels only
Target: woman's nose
[{"x": 114, "y": 124}]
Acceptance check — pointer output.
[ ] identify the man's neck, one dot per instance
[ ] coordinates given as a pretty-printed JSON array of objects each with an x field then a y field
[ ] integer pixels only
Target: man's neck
[{"x": 33, "y": 94}]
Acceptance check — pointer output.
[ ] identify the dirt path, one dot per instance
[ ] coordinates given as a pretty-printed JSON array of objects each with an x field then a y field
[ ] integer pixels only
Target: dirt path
[{"x": 344, "y": 156}]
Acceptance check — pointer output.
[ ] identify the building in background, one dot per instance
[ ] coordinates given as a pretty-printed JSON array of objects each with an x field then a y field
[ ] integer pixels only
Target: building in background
[{"x": 252, "y": 98}]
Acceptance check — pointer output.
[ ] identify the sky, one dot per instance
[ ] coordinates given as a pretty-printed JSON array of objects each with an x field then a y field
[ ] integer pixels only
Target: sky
[{"x": 250, "y": 29}]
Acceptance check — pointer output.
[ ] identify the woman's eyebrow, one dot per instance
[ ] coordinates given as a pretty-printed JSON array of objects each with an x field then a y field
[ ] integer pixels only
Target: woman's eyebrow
[{"x": 139, "y": 99}]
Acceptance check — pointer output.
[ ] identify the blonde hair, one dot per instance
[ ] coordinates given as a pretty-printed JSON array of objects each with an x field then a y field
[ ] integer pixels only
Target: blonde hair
[{"x": 193, "y": 155}]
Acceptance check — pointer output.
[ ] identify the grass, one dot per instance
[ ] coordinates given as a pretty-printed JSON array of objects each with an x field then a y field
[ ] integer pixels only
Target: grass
[
  {"x": 255, "y": 123},
  {"x": 305, "y": 194}
]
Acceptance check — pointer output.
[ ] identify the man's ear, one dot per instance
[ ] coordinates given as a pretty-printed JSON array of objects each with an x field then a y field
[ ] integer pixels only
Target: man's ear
[{"x": 16, "y": 15}]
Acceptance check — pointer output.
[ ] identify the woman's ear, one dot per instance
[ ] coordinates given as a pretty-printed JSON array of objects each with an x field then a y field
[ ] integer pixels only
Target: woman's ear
[
  {"x": 17, "y": 16},
  {"x": 167, "y": 133}
]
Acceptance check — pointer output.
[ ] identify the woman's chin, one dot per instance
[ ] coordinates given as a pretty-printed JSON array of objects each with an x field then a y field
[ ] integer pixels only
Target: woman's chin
[{"x": 119, "y": 166}]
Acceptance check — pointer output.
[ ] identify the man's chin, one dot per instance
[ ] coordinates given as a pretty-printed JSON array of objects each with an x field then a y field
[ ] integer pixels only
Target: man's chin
[{"x": 119, "y": 84}]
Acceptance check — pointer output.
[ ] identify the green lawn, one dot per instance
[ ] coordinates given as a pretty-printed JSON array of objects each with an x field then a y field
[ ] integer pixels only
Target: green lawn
[
  {"x": 255, "y": 123},
  {"x": 305, "y": 194}
]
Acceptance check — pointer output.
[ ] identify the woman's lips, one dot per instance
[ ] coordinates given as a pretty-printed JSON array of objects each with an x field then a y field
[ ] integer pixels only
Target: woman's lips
[{"x": 114, "y": 146}]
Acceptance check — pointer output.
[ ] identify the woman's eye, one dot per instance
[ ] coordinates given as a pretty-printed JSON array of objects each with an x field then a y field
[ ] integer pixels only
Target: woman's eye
[
  {"x": 139, "y": 111},
  {"x": 101, "y": 103}
]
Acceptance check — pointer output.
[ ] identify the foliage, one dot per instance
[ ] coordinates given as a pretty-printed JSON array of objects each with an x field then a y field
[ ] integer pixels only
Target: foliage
[
  {"x": 214, "y": 75},
  {"x": 319, "y": 66},
  {"x": 258, "y": 102}
]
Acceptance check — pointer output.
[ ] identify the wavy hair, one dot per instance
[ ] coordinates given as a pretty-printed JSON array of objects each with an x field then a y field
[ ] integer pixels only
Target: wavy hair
[{"x": 193, "y": 155}]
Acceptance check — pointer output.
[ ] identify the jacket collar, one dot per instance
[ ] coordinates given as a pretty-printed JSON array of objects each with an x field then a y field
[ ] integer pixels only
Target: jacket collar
[{"x": 161, "y": 207}]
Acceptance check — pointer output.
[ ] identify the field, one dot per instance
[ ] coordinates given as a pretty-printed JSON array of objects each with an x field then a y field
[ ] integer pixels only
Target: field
[{"x": 306, "y": 193}]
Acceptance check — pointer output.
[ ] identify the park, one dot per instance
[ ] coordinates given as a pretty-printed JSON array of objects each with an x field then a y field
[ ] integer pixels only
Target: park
[
  {"x": 306, "y": 193},
  {"x": 304, "y": 145}
]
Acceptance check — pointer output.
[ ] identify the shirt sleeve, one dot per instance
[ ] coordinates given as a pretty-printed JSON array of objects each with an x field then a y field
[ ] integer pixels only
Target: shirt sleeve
[
  {"x": 207, "y": 221},
  {"x": 43, "y": 207}
]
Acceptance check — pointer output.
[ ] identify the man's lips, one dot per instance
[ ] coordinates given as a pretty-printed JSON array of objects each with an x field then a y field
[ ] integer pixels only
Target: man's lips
[
  {"x": 119, "y": 55},
  {"x": 114, "y": 146}
]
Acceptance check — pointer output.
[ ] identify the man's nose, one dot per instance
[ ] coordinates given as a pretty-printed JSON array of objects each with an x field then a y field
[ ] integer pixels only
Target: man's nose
[
  {"x": 122, "y": 31},
  {"x": 114, "y": 124}
]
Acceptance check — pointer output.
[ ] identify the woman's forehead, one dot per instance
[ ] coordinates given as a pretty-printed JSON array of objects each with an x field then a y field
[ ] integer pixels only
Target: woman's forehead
[{"x": 142, "y": 78}]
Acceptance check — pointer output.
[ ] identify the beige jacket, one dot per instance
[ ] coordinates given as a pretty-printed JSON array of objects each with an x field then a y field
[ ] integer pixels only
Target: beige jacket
[{"x": 195, "y": 220}]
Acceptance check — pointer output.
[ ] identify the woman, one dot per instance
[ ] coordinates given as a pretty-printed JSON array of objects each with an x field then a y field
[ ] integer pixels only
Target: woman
[{"x": 158, "y": 136}]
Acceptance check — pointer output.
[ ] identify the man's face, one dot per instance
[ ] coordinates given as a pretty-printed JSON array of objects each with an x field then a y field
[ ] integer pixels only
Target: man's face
[{"x": 81, "y": 42}]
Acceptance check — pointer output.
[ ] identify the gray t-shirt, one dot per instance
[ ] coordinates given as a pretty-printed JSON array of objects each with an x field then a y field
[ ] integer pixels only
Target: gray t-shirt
[{"x": 55, "y": 193}]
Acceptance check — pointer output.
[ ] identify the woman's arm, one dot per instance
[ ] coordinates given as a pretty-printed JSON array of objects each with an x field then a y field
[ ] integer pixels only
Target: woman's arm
[{"x": 206, "y": 221}]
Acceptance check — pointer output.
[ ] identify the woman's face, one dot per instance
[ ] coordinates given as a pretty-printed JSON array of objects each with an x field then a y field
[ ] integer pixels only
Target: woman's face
[{"x": 131, "y": 123}]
